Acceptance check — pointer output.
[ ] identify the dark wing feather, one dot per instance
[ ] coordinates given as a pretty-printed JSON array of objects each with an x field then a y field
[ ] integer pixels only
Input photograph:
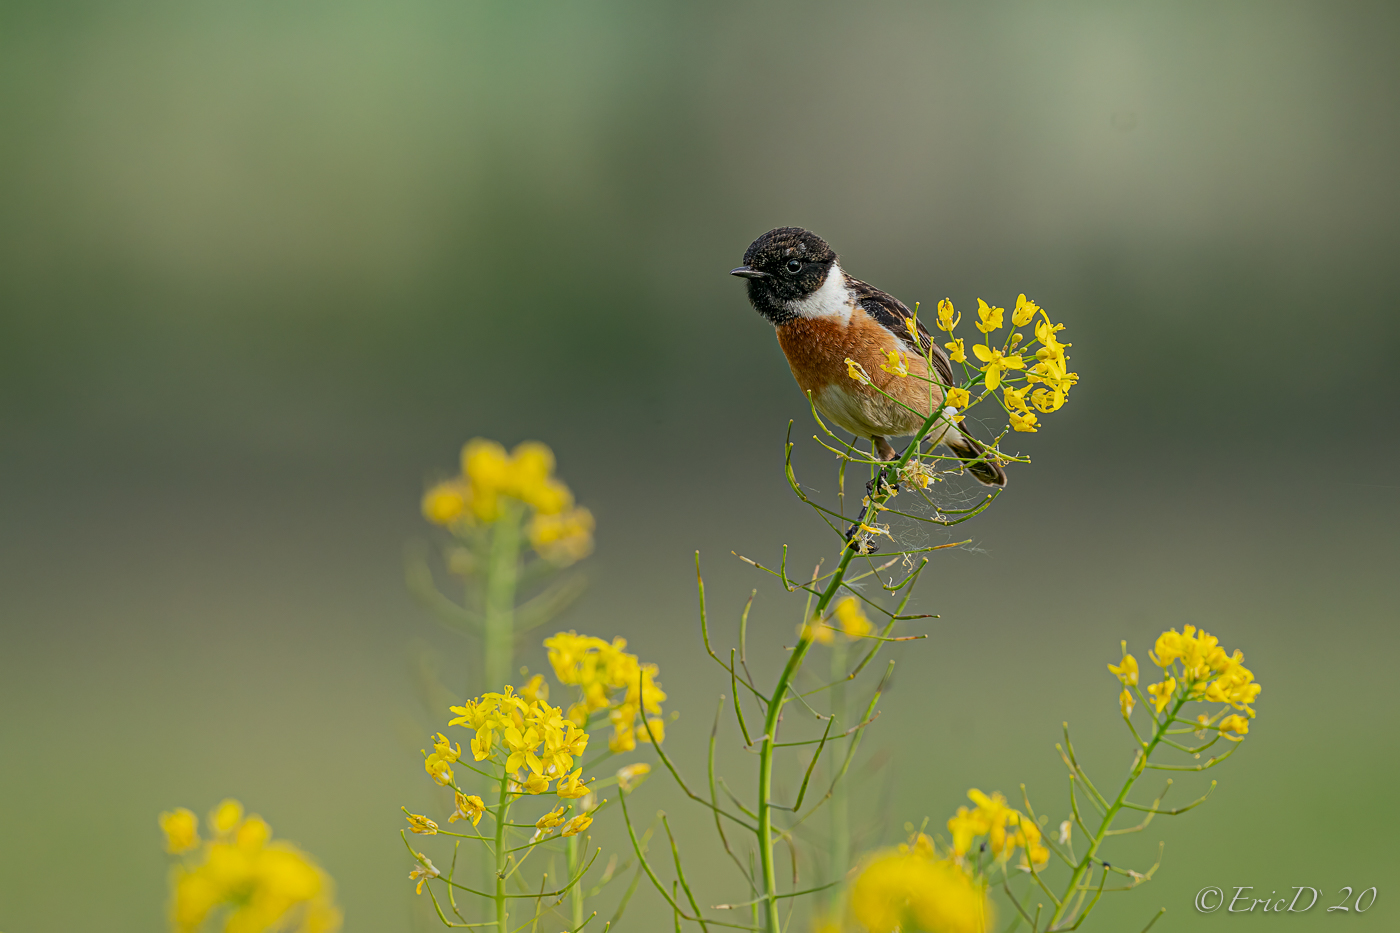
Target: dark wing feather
[{"x": 891, "y": 313}]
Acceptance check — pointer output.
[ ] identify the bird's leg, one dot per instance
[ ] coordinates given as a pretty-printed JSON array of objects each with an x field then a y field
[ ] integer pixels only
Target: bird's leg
[{"x": 883, "y": 451}]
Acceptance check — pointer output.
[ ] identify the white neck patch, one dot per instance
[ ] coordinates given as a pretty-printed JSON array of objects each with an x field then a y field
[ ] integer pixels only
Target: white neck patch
[{"x": 832, "y": 300}]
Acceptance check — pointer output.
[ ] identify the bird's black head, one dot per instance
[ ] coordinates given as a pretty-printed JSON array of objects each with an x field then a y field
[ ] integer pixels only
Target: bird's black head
[{"x": 785, "y": 266}]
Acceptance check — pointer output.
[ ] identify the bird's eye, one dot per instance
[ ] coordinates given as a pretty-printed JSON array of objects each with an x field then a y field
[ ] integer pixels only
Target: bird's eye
[{"x": 794, "y": 266}]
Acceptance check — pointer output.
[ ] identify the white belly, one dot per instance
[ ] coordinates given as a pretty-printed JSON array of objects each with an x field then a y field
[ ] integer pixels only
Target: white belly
[{"x": 869, "y": 414}]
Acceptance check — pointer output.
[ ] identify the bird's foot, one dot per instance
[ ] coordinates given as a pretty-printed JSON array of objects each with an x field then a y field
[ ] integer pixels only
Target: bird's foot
[
  {"x": 888, "y": 482},
  {"x": 861, "y": 542}
]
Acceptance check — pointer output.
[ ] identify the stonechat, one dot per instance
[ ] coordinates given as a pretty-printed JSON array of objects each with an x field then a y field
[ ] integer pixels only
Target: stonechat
[{"x": 824, "y": 317}]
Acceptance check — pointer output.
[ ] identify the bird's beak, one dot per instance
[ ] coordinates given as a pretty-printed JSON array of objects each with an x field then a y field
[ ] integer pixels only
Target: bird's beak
[{"x": 746, "y": 272}]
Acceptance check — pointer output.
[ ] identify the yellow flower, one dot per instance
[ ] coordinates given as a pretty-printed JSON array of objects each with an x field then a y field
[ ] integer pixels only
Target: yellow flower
[
  {"x": 578, "y": 824},
  {"x": 852, "y": 618},
  {"x": 958, "y": 397},
  {"x": 624, "y": 737},
  {"x": 445, "y": 502},
  {"x": 1167, "y": 649},
  {"x": 955, "y": 350},
  {"x": 482, "y": 743},
  {"x": 608, "y": 678},
  {"x": 424, "y": 871},
  {"x": 181, "y": 828},
  {"x": 909, "y": 891},
  {"x": 817, "y": 631},
  {"x": 421, "y": 825},
  {"x": 658, "y": 729},
  {"x": 444, "y": 750},
  {"x": 252, "y": 834},
  {"x": 226, "y": 816},
  {"x": 1236, "y": 724},
  {"x": 259, "y": 882},
  {"x": 562, "y": 537},
  {"x": 630, "y": 776},
  {"x": 1162, "y": 693},
  {"x": 1126, "y": 703},
  {"x": 1006, "y": 829},
  {"x": 1015, "y": 400},
  {"x": 996, "y": 363},
  {"x": 1127, "y": 671},
  {"x": 920, "y": 342},
  {"x": 1046, "y": 401},
  {"x": 895, "y": 364},
  {"x": 550, "y": 497},
  {"x": 524, "y": 749},
  {"x": 550, "y": 820},
  {"x": 469, "y": 807},
  {"x": 571, "y": 788},
  {"x": 1025, "y": 310},
  {"x": 965, "y": 826},
  {"x": 536, "y": 736},
  {"x": 997, "y": 814},
  {"x": 1235, "y": 684},
  {"x": 946, "y": 320},
  {"x": 535, "y": 689},
  {"x": 990, "y": 318},
  {"x": 1028, "y": 838},
  {"x": 437, "y": 769},
  {"x": 1027, "y": 423},
  {"x": 1045, "y": 332},
  {"x": 485, "y": 464},
  {"x": 857, "y": 372},
  {"x": 531, "y": 463}
]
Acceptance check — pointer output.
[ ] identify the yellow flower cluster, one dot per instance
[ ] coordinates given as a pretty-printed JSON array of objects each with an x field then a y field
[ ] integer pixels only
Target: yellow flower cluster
[
  {"x": 1006, "y": 829},
  {"x": 1049, "y": 373},
  {"x": 909, "y": 890},
  {"x": 557, "y": 529},
  {"x": 530, "y": 738},
  {"x": 262, "y": 884},
  {"x": 849, "y": 616},
  {"x": 1194, "y": 667},
  {"x": 609, "y": 678}
]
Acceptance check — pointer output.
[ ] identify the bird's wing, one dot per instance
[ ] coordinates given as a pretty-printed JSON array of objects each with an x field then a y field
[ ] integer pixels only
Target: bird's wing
[{"x": 890, "y": 313}]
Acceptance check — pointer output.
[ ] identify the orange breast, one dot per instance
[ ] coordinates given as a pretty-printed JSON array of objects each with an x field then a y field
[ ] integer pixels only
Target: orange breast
[{"x": 817, "y": 350}]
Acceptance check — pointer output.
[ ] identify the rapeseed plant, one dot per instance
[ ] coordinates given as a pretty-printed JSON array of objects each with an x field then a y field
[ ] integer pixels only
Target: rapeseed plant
[
  {"x": 500, "y": 507},
  {"x": 241, "y": 880},
  {"x": 519, "y": 747},
  {"x": 926, "y": 884},
  {"x": 985, "y": 839},
  {"x": 837, "y": 614}
]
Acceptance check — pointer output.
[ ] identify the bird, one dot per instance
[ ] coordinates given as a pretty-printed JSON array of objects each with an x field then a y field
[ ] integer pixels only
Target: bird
[{"x": 824, "y": 316}]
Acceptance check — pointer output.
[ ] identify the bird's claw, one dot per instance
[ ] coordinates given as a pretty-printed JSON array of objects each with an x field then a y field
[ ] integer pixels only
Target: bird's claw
[{"x": 862, "y": 543}]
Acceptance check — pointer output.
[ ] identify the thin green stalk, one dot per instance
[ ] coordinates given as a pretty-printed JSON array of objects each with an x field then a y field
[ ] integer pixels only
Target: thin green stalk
[
  {"x": 770, "y": 729},
  {"x": 502, "y": 577},
  {"x": 502, "y": 813},
  {"x": 576, "y": 892},
  {"x": 1139, "y": 766}
]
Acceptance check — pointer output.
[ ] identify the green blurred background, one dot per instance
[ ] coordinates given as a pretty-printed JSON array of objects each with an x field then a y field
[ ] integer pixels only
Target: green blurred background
[{"x": 265, "y": 266}]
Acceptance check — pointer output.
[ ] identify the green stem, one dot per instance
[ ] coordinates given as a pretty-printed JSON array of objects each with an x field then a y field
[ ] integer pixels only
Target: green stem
[
  {"x": 1086, "y": 863},
  {"x": 840, "y": 825},
  {"x": 498, "y": 610},
  {"x": 770, "y": 732},
  {"x": 502, "y": 815},
  {"x": 576, "y": 892}
]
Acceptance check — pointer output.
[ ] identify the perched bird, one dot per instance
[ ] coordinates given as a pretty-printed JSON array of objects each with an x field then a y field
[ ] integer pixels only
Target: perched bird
[{"x": 824, "y": 317}]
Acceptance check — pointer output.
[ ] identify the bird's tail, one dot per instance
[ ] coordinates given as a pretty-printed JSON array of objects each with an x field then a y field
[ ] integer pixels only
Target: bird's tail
[{"x": 983, "y": 463}]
